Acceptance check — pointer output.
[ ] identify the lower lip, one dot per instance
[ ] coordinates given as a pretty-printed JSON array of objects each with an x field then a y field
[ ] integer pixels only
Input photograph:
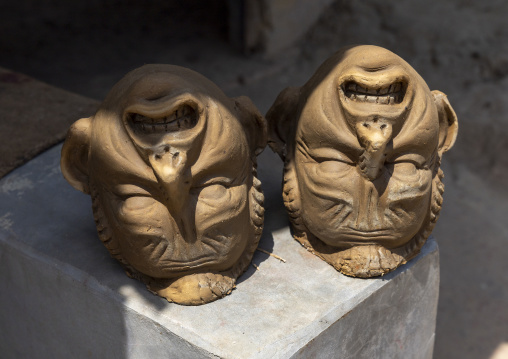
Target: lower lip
[{"x": 351, "y": 237}]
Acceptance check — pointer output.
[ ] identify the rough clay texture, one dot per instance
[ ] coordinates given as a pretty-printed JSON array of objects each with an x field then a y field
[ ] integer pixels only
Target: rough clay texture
[
  {"x": 170, "y": 164},
  {"x": 362, "y": 143},
  {"x": 457, "y": 46},
  {"x": 78, "y": 303}
]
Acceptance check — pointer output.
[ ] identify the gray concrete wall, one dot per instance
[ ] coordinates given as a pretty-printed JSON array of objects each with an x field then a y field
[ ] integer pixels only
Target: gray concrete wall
[{"x": 274, "y": 25}]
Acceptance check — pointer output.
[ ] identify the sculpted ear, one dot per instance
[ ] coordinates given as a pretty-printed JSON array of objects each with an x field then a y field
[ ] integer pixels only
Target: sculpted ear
[
  {"x": 254, "y": 122},
  {"x": 74, "y": 160},
  {"x": 280, "y": 119},
  {"x": 448, "y": 123}
]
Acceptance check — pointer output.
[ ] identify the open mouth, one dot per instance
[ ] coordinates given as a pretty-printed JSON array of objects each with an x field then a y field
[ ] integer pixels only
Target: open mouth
[
  {"x": 184, "y": 117},
  {"x": 386, "y": 95}
]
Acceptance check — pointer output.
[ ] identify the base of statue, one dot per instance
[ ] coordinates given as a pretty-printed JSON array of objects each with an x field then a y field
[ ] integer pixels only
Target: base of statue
[{"x": 63, "y": 296}]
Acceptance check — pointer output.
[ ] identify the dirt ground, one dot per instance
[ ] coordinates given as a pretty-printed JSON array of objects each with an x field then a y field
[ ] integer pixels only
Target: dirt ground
[{"x": 459, "y": 46}]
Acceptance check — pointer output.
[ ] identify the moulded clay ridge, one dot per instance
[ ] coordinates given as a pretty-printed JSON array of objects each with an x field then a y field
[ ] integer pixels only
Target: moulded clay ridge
[
  {"x": 362, "y": 142},
  {"x": 170, "y": 163}
]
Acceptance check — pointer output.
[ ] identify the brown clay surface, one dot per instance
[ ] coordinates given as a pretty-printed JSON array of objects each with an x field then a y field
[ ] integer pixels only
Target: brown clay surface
[
  {"x": 458, "y": 46},
  {"x": 170, "y": 163},
  {"x": 362, "y": 143}
]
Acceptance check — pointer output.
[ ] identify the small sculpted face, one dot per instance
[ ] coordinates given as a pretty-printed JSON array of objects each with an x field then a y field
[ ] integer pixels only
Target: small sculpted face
[
  {"x": 365, "y": 142},
  {"x": 169, "y": 165}
]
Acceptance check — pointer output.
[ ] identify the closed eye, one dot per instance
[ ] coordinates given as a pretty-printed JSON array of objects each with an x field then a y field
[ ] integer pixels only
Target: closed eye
[
  {"x": 223, "y": 181},
  {"x": 327, "y": 154},
  {"x": 417, "y": 160},
  {"x": 126, "y": 191}
]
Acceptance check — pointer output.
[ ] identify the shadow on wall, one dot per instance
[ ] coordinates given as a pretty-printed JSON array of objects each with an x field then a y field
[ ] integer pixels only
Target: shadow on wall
[{"x": 105, "y": 38}]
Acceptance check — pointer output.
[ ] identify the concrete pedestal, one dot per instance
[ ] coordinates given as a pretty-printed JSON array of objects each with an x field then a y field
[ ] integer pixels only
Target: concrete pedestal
[{"x": 62, "y": 296}]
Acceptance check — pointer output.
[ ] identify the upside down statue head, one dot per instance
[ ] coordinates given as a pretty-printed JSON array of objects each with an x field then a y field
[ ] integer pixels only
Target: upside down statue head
[
  {"x": 170, "y": 164},
  {"x": 362, "y": 143}
]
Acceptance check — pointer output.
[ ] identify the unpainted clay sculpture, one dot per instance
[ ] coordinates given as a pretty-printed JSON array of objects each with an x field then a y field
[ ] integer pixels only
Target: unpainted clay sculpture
[
  {"x": 362, "y": 142},
  {"x": 170, "y": 164}
]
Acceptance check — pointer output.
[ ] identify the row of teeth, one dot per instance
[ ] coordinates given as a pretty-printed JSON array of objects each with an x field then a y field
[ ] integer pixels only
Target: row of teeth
[
  {"x": 386, "y": 95},
  {"x": 384, "y": 100},
  {"x": 182, "y": 119}
]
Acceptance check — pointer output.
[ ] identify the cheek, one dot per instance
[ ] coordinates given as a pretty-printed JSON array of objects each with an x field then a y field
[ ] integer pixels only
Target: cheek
[
  {"x": 406, "y": 201},
  {"x": 220, "y": 206},
  {"x": 325, "y": 180},
  {"x": 223, "y": 221},
  {"x": 140, "y": 215},
  {"x": 327, "y": 195},
  {"x": 136, "y": 209},
  {"x": 408, "y": 186}
]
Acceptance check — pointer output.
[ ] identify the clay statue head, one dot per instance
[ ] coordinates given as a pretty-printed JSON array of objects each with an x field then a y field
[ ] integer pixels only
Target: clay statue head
[
  {"x": 362, "y": 142},
  {"x": 170, "y": 164}
]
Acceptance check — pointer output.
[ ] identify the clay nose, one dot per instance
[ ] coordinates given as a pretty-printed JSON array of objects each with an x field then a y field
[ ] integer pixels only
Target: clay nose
[
  {"x": 170, "y": 170},
  {"x": 373, "y": 136}
]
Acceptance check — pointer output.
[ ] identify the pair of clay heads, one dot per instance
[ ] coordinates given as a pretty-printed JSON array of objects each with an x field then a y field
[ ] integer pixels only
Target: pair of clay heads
[{"x": 170, "y": 164}]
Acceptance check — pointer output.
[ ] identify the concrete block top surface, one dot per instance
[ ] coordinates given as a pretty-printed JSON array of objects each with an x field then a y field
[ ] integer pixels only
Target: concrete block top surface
[
  {"x": 272, "y": 313},
  {"x": 46, "y": 112}
]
